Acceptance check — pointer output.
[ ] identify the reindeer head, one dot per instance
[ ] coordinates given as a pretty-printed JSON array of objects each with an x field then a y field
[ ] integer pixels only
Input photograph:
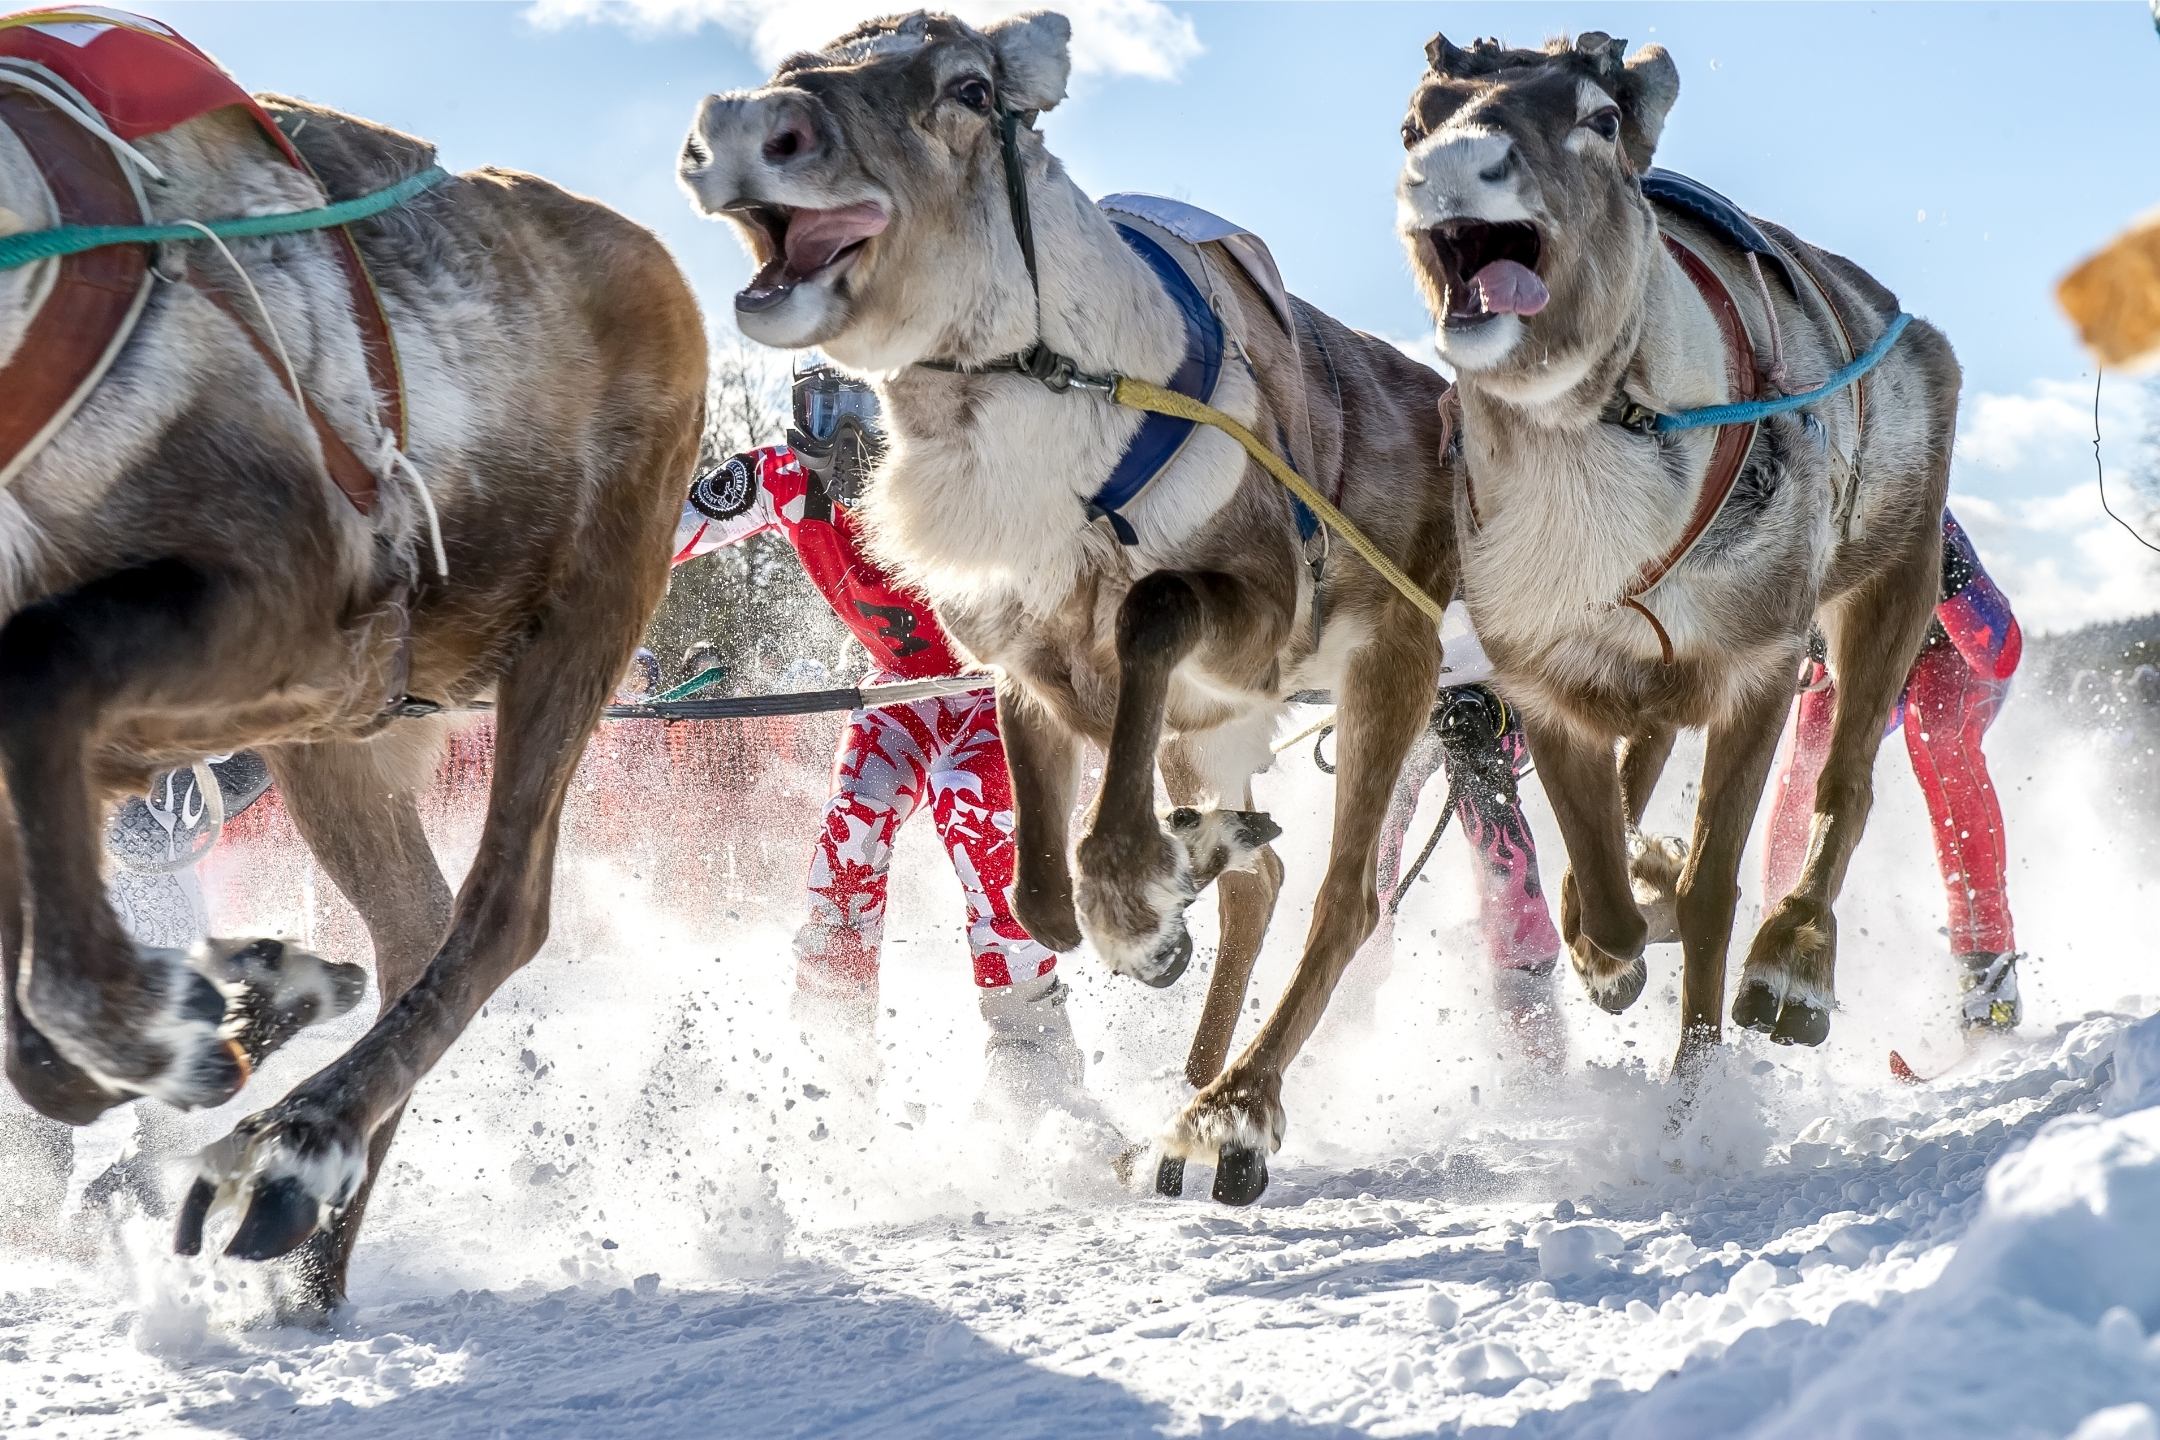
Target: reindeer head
[
  {"x": 1519, "y": 200},
  {"x": 868, "y": 181}
]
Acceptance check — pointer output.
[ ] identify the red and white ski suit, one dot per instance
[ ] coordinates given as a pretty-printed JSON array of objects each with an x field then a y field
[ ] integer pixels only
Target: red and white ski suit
[
  {"x": 944, "y": 753},
  {"x": 1952, "y": 694}
]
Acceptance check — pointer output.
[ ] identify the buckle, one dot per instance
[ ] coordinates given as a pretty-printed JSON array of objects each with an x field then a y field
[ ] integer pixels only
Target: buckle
[{"x": 1058, "y": 373}]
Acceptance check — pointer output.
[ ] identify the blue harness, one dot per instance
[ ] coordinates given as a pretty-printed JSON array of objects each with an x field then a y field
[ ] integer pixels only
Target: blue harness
[{"x": 1161, "y": 437}]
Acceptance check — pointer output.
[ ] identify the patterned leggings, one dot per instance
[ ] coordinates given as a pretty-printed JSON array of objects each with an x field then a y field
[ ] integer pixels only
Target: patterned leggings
[
  {"x": 946, "y": 753},
  {"x": 1512, "y": 913},
  {"x": 1948, "y": 707}
]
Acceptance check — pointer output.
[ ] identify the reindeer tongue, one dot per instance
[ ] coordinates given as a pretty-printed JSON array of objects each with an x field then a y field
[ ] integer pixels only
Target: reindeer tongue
[
  {"x": 1510, "y": 288},
  {"x": 815, "y": 237}
]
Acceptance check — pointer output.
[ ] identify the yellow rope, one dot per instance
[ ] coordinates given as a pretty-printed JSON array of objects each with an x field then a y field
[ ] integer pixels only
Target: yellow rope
[
  {"x": 1305, "y": 734},
  {"x": 1140, "y": 395}
]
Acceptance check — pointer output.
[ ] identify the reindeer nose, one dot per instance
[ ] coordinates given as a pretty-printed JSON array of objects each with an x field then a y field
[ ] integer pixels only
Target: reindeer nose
[{"x": 791, "y": 140}]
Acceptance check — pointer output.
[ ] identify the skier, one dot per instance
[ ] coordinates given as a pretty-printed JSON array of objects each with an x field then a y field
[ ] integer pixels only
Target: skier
[
  {"x": 1480, "y": 741},
  {"x": 942, "y": 754},
  {"x": 1953, "y": 693}
]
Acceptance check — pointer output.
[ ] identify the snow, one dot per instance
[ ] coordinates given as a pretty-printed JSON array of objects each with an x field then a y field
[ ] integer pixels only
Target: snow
[{"x": 606, "y": 1214}]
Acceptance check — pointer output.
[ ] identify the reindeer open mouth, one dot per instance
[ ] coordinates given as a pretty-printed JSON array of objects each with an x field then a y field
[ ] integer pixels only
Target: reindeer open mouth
[
  {"x": 797, "y": 246},
  {"x": 1490, "y": 268}
]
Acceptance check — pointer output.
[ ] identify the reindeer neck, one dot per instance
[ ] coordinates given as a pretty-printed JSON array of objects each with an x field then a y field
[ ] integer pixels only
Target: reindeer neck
[
  {"x": 1558, "y": 478},
  {"x": 987, "y": 477}
]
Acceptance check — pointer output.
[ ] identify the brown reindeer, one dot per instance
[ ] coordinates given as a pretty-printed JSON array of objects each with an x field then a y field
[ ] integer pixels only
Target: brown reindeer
[
  {"x": 905, "y": 217},
  {"x": 180, "y": 576},
  {"x": 1627, "y": 580}
]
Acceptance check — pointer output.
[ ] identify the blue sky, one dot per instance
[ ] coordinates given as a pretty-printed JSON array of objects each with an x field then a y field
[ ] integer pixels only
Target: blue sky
[{"x": 1967, "y": 154}]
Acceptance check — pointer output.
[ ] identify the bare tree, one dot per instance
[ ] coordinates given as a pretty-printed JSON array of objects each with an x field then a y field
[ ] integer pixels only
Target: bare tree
[
  {"x": 752, "y": 596},
  {"x": 746, "y": 401}
]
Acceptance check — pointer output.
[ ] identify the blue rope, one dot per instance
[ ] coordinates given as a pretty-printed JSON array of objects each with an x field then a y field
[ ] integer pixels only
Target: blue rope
[
  {"x": 74, "y": 239},
  {"x": 1749, "y": 410}
]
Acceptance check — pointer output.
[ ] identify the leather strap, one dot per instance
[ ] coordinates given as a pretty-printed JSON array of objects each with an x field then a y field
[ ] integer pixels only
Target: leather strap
[
  {"x": 378, "y": 347},
  {"x": 95, "y": 296},
  {"x": 347, "y": 471},
  {"x": 1730, "y": 454}
]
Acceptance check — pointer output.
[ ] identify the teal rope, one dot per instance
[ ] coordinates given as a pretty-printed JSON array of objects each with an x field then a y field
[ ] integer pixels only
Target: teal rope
[
  {"x": 703, "y": 680},
  {"x": 36, "y": 245},
  {"x": 1742, "y": 413}
]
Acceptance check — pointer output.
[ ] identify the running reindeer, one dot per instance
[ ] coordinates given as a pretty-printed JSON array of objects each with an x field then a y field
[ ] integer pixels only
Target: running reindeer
[
  {"x": 209, "y": 540},
  {"x": 1632, "y": 565},
  {"x": 905, "y": 217}
]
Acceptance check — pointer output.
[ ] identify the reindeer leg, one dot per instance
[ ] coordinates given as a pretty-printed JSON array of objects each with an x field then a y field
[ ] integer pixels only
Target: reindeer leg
[
  {"x": 1385, "y": 697},
  {"x": 1043, "y": 758},
  {"x": 1604, "y": 930},
  {"x": 1735, "y": 767},
  {"x": 1138, "y": 876},
  {"x": 121, "y": 1019},
  {"x": 1654, "y": 861},
  {"x": 355, "y": 806},
  {"x": 299, "y": 1164},
  {"x": 1246, "y": 900},
  {"x": 1787, "y": 986},
  {"x": 36, "y": 1152}
]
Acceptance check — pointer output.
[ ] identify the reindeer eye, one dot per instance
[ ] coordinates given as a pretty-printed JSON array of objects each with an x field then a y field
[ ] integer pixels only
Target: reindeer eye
[
  {"x": 972, "y": 91},
  {"x": 1604, "y": 123}
]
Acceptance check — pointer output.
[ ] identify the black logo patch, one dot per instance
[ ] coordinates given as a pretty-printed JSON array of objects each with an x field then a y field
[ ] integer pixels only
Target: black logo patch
[{"x": 724, "y": 492}]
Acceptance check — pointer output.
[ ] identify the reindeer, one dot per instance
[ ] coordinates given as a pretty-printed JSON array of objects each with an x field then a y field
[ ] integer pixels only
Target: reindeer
[
  {"x": 180, "y": 576},
  {"x": 905, "y": 217},
  {"x": 1629, "y": 577}
]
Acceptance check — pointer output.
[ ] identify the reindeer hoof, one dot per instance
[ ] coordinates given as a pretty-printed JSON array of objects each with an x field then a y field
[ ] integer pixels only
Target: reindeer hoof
[
  {"x": 1755, "y": 1007},
  {"x": 187, "y": 1236},
  {"x": 1240, "y": 1175},
  {"x": 1180, "y": 953},
  {"x": 1788, "y": 1021},
  {"x": 1800, "y": 1023},
  {"x": 1620, "y": 991},
  {"x": 280, "y": 1217},
  {"x": 1170, "y": 1177}
]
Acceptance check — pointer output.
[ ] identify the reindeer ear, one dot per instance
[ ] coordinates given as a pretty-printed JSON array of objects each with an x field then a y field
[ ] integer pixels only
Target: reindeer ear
[
  {"x": 1648, "y": 84},
  {"x": 1442, "y": 57},
  {"x": 1034, "y": 59}
]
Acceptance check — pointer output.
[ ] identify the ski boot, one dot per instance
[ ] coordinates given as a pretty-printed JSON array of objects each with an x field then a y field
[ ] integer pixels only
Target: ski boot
[
  {"x": 1034, "y": 1064},
  {"x": 1990, "y": 992},
  {"x": 1531, "y": 1013}
]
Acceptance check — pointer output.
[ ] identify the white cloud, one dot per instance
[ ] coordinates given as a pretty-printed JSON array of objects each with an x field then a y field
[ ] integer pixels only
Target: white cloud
[
  {"x": 2097, "y": 573},
  {"x": 2041, "y": 529},
  {"x": 2002, "y": 432},
  {"x": 1143, "y": 38}
]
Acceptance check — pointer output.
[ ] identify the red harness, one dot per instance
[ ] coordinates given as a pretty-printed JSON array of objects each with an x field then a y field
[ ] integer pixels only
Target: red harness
[
  {"x": 141, "y": 78},
  {"x": 1727, "y": 459}
]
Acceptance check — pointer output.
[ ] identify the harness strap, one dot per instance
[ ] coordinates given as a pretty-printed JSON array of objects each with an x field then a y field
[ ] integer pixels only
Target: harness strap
[
  {"x": 1162, "y": 437},
  {"x": 347, "y": 471},
  {"x": 1141, "y": 395},
  {"x": 95, "y": 299},
  {"x": 378, "y": 347},
  {"x": 1859, "y": 389},
  {"x": 1727, "y": 458},
  {"x": 1060, "y": 373}
]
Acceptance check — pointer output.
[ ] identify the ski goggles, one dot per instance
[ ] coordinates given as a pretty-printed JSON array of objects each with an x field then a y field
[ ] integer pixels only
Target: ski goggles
[{"x": 826, "y": 403}]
